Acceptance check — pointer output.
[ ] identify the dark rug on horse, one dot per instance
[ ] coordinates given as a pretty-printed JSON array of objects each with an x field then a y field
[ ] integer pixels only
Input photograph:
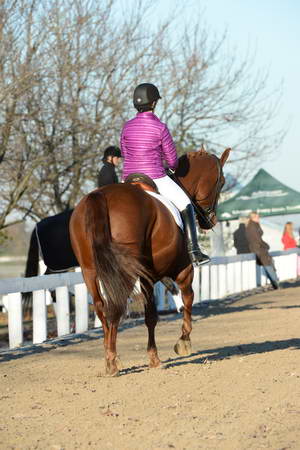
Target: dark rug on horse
[{"x": 55, "y": 244}]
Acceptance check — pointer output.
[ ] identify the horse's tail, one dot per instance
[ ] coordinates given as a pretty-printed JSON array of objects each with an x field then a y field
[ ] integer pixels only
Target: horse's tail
[
  {"x": 31, "y": 270},
  {"x": 116, "y": 267}
]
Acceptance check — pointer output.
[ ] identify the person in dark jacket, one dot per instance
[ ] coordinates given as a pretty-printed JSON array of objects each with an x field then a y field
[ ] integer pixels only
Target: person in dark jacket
[
  {"x": 261, "y": 249},
  {"x": 240, "y": 240},
  {"x": 111, "y": 159}
]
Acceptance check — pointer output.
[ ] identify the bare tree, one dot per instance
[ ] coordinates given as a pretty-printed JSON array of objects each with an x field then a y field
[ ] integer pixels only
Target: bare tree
[
  {"x": 216, "y": 99},
  {"x": 68, "y": 69},
  {"x": 17, "y": 76},
  {"x": 86, "y": 73}
]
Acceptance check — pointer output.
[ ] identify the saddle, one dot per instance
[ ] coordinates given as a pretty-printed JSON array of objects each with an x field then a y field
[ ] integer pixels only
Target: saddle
[
  {"x": 142, "y": 181},
  {"x": 147, "y": 184}
]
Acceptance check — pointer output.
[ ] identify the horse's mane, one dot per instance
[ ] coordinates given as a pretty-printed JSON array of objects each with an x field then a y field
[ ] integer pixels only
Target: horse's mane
[
  {"x": 183, "y": 160},
  {"x": 200, "y": 152}
]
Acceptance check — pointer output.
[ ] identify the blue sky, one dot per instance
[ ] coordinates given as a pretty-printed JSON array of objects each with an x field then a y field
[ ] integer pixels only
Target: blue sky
[{"x": 272, "y": 29}]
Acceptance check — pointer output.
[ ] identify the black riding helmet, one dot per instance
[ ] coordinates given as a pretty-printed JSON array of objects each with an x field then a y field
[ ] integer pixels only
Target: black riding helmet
[
  {"x": 111, "y": 151},
  {"x": 145, "y": 94}
]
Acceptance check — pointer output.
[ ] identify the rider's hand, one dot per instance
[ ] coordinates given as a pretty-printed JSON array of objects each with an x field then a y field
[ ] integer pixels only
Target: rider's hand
[{"x": 170, "y": 172}]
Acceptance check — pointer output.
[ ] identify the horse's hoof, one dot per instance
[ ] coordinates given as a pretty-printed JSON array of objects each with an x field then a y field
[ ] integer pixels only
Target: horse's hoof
[
  {"x": 154, "y": 363},
  {"x": 112, "y": 369},
  {"x": 183, "y": 348},
  {"x": 113, "y": 375}
]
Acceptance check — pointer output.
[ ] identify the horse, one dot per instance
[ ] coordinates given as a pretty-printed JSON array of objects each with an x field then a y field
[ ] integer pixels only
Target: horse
[
  {"x": 49, "y": 242},
  {"x": 121, "y": 234}
]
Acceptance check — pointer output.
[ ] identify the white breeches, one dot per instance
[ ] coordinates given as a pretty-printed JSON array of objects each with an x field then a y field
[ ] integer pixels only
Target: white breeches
[{"x": 168, "y": 188}]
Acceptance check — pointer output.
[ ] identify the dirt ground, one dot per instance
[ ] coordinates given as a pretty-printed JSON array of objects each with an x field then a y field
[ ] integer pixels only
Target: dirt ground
[{"x": 240, "y": 388}]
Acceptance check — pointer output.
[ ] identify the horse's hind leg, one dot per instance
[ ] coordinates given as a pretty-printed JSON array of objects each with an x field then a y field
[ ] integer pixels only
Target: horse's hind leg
[
  {"x": 110, "y": 331},
  {"x": 151, "y": 319},
  {"x": 111, "y": 350},
  {"x": 184, "y": 280},
  {"x": 110, "y": 342}
]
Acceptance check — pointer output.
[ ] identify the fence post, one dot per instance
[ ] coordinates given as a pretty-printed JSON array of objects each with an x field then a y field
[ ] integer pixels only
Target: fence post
[
  {"x": 81, "y": 308},
  {"x": 62, "y": 311},
  {"x": 252, "y": 269},
  {"x": 39, "y": 317},
  {"x": 230, "y": 279},
  {"x": 205, "y": 283},
  {"x": 293, "y": 257},
  {"x": 280, "y": 266},
  {"x": 222, "y": 280},
  {"x": 214, "y": 282},
  {"x": 237, "y": 276},
  {"x": 15, "y": 319},
  {"x": 196, "y": 285},
  {"x": 245, "y": 275}
]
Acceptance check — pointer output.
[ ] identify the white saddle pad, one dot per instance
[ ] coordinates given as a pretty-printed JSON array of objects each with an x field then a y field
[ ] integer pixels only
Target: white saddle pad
[{"x": 171, "y": 207}]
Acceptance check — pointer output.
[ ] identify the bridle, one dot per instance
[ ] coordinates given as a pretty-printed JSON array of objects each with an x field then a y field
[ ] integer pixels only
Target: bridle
[
  {"x": 210, "y": 211},
  {"x": 203, "y": 214}
]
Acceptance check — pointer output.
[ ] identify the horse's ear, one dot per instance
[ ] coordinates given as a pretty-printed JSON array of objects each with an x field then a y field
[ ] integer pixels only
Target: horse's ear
[{"x": 224, "y": 156}]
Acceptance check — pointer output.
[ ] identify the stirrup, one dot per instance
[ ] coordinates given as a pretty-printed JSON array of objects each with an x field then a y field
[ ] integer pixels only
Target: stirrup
[{"x": 198, "y": 258}]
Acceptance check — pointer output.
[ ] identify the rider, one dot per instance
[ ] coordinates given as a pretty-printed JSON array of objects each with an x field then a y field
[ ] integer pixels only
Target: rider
[
  {"x": 111, "y": 159},
  {"x": 145, "y": 143}
]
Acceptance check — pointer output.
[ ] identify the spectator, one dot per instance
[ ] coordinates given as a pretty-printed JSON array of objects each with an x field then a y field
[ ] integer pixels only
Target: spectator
[
  {"x": 107, "y": 174},
  {"x": 288, "y": 239},
  {"x": 261, "y": 249},
  {"x": 240, "y": 240}
]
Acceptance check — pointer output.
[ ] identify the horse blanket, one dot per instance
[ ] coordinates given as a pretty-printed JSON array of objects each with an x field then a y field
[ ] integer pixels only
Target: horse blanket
[{"x": 54, "y": 242}]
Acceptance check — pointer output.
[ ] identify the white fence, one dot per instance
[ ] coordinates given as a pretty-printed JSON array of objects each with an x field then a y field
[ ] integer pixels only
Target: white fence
[{"x": 224, "y": 276}]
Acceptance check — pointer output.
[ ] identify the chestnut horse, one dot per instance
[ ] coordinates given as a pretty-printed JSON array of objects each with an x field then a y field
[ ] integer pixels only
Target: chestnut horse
[{"x": 120, "y": 233}]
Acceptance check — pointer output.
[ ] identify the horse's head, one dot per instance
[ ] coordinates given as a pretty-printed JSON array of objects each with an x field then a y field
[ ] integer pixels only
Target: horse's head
[{"x": 201, "y": 174}]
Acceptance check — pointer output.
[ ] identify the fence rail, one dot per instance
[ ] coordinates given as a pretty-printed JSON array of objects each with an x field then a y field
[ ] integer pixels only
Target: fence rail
[{"x": 222, "y": 277}]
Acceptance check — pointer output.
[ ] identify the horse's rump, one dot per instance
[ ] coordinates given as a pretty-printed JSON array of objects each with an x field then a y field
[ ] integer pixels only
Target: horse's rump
[
  {"x": 116, "y": 265},
  {"x": 146, "y": 224}
]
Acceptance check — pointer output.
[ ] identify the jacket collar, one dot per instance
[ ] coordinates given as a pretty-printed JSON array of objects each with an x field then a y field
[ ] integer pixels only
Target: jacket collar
[{"x": 149, "y": 114}]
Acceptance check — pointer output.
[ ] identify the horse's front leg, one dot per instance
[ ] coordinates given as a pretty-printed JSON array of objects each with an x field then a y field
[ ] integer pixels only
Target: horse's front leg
[
  {"x": 184, "y": 280},
  {"x": 151, "y": 318}
]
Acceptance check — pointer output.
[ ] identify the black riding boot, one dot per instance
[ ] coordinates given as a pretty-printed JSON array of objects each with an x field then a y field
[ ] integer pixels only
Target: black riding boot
[{"x": 188, "y": 217}]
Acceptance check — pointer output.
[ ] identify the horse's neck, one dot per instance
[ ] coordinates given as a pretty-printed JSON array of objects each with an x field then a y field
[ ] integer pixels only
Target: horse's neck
[{"x": 190, "y": 169}]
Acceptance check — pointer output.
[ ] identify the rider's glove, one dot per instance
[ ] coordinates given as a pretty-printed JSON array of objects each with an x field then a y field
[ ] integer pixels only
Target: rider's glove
[{"x": 170, "y": 172}]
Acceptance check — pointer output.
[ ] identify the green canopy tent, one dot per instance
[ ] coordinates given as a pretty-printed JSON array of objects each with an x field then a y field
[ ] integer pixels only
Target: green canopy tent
[{"x": 263, "y": 194}]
